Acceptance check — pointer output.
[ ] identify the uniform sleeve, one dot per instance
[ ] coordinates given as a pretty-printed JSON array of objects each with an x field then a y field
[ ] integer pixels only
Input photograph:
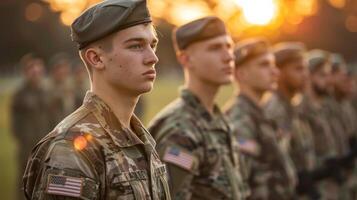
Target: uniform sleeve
[
  {"x": 17, "y": 117},
  {"x": 66, "y": 173},
  {"x": 180, "y": 151}
]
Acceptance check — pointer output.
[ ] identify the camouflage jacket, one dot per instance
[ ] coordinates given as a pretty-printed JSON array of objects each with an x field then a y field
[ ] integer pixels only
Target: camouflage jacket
[
  {"x": 313, "y": 113},
  {"x": 200, "y": 152},
  {"x": 29, "y": 118},
  {"x": 332, "y": 109},
  {"x": 299, "y": 135},
  {"x": 271, "y": 172},
  {"x": 89, "y": 155}
]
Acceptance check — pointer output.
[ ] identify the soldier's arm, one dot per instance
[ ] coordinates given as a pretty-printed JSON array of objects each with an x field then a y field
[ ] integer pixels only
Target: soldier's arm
[
  {"x": 180, "y": 152},
  {"x": 17, "y": 118},
  {"x": 66, "y": 173}
]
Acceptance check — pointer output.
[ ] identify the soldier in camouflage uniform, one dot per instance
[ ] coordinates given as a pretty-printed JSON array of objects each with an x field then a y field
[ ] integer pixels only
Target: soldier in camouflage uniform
[
  {"x": 296, "y": 137},
  {"x": 193, "y": 136},
  {"x": 270, "y": 171},
  {"x": 29, "y": 111},
  {"x": 312, "y": 109},
  {"x": 61, "y": 91},
  {"x": 102, "y": 151},
  {"x": 343, "y": 118}
]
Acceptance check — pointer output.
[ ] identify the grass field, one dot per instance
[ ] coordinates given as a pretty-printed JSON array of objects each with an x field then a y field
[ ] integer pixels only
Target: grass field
[{"x": 165, "y": 91}]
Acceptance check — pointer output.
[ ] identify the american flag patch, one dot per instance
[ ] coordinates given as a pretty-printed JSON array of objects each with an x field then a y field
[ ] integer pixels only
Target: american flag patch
[
  {"x": 176, "y": 156},
  {"x": 64, "y": 185}
]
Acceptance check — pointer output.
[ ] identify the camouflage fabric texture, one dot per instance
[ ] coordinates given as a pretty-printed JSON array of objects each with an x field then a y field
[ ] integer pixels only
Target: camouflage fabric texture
[
  {"x": 207, "y": 162},
  {"x": 297, "y": 137},
  {"x": 271, "y": 174},
  {"x": 97, "y": 157}
]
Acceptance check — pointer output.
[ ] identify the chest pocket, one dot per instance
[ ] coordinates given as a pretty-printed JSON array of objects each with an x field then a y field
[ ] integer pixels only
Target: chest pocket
[{"x": 130, "y": 185}]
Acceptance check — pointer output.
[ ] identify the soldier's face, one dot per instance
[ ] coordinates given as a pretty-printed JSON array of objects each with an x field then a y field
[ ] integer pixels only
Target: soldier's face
[
  {"x": 294, "y": 75},
  {"x": 212, "y": 60},
  {"x": 130, "y": 65},
  {"x": 319, "y": 81},
  {"x": 341, "y": 82},
  {"x": 260, "y": 73},
  {"x": 34, "y": 72},
  {"x": 61, "y": 72}
]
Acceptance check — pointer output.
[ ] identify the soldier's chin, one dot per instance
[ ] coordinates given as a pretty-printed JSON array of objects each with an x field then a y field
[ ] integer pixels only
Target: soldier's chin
[{"x": 145, "y": 88}]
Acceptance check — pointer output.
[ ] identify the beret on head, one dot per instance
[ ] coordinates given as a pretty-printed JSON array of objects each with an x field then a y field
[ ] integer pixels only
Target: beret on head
[
  {"x": 198, "y": 30},
  {"x": 338, "y": 63},
  {"x": 108, "y": 17},
  {"x": 250, "y": 48},
  {"x": 287, "y": 52},
  {"x": 317, "y": 59}
]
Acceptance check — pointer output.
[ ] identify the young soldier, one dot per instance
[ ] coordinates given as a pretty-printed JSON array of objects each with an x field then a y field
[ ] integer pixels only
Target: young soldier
[
  {"x": 29, "y": 111},
  {"x": 102, "y": 151},
  {"x": 270, "y": 171},
  {"x": 296, "y": 137},
  {"x": 193, "y": 137}
]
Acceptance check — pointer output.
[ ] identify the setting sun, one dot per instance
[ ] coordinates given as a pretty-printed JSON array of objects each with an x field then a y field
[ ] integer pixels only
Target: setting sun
[{"x": 258, "y": 12}]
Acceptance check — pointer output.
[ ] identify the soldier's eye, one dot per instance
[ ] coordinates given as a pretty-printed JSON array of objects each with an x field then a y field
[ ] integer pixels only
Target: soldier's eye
[{"x": 136, "y": 46}]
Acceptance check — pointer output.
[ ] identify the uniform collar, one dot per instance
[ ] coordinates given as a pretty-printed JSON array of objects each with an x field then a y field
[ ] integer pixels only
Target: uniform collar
[
  {"x": 215, "y": 121},
  {"x": 250, "y": 103},
  {"x": 193, "y": 101},
  {"x": 123, "y": 137}
]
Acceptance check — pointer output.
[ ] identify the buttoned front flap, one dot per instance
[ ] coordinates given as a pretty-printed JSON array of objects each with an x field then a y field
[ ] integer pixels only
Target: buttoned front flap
[
  {"x": 162, "y": 182},
  {"x": 130, "y": 185}
]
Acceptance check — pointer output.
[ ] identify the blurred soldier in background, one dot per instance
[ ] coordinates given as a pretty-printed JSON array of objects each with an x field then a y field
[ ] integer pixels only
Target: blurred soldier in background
[
  {"x": 61, "y": 92},
  {"x": 194, "y": 139},
  {"x": 340, "y": 109},
  {"x": 271, "y": 174},
  {"x": 296, "y": 135},
  {"x": 312, "y": 110},
  {"x": 29, "y": 111}
]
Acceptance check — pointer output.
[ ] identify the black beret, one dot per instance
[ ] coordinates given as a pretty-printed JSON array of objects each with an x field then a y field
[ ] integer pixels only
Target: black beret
[
  {"x": 108, "y": 17},
  {"x": 287, "y": 52},
  {"x": 250, "y": 48},
  {"x": 317, "y": 59},
  {"x": 198, "y": 30}
]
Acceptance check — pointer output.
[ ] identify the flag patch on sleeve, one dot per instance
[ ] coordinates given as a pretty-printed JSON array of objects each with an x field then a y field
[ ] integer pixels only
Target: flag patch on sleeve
[
  {"x": 64, "y": 185},
  {"x": 178, "y": 157}
]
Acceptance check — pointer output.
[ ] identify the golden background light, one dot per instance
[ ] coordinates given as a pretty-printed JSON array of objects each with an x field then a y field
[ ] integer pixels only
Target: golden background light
[
  {"x": 258, "y": 12},
  {"x": 33, "y": 12},
  {"x": 241, "y": 16}
]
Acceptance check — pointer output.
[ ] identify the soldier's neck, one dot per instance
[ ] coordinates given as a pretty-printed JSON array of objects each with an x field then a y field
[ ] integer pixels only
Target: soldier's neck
[
  {"x": 122, "y": 104},
  {"x": 205, "y": 92},
  {"x": 285, "y": 91}
]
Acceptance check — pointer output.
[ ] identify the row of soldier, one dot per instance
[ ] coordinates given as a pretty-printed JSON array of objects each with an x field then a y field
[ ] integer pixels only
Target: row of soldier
[{"x": 296, "y": 143}]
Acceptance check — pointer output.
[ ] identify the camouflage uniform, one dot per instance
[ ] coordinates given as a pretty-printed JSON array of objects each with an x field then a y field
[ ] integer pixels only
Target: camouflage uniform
[
  {"x": 332, "y": 110},
  {"x": 295, "y": 129},
  {"x": 62, "y": 100},
  {"x": 29, "y": 122},
  {"x": 207, "y": 160},
  {"x": 271, "y": 172},
  {"x": 323, "y": 138},
  {"x": 91, "y": 148}
]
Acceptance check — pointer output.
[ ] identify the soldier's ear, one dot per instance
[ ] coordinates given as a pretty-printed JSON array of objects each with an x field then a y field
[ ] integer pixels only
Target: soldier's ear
[
  {"x": 183, "y": 58},
  {"x": 94, "y": 58}
]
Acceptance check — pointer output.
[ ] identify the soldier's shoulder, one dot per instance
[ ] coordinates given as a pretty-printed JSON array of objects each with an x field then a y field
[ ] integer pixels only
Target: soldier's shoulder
[
  {"x": 237, "y": 110},
  {"x": 274, "y": 107},
  {"x": 79, "y": 125},
  {"x": 174, "y": 119}
]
